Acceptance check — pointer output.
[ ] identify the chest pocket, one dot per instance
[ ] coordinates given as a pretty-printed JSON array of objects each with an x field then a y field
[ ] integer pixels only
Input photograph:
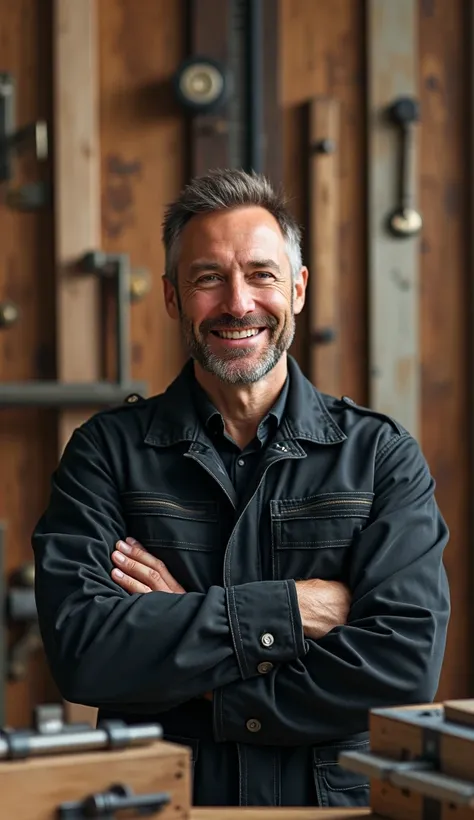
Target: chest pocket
[
  {"x": 311, "y": 536},
  {"x": 185, "y": 535}
]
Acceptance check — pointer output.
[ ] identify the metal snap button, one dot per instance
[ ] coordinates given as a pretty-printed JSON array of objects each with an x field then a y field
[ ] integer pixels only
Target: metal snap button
[
  {"x": 253, "y": 725},
  {"x": 264, "y": 667},
  {"x": 267, "y": 639}
]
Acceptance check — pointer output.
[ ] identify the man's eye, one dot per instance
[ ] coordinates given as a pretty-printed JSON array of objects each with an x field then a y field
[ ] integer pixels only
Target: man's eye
[
  {"x": 208, "y": 278},
  {"x": 263, "y": 274}
]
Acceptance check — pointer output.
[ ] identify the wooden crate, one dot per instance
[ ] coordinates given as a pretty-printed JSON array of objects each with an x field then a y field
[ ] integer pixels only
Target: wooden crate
[
  {"x": 444, "y": 732},
  {"x": 33, "y": 789}
]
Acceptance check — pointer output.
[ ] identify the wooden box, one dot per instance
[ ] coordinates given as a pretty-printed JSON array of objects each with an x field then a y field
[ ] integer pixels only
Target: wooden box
[
  {"x": 35, "y": 788},
  {"x": 421, "y": 762}
]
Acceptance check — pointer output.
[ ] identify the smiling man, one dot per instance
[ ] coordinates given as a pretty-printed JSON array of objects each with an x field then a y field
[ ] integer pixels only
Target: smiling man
[{"x": 249, "y": 562}]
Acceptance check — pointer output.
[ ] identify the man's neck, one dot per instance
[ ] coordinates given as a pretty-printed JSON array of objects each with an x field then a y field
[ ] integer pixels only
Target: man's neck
[{"x": 243, "y": 406}]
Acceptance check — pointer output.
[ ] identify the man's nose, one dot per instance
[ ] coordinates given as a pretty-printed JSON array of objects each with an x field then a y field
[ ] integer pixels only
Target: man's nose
[{"x": 238, "y": 299}]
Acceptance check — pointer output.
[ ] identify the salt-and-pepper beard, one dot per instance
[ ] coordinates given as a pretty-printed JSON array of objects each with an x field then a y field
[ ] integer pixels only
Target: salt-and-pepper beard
[{"x": 225, "y": 366}]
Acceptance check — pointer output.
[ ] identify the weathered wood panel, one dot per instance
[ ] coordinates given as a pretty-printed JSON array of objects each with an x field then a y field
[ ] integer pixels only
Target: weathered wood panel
[
  {"x": 394, "y": 356},
  {"x": 445, "y": 378},
  {"x": 143, "y": 163},
  {"x": 322, "y": 53},
  {"x": 27, "y": 437}
]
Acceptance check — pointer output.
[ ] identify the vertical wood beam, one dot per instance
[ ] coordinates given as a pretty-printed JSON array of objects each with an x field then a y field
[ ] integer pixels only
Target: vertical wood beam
[
  {"x": 394, "y": 357},
  {"x": 210, "y": 136},
  {"x": 77, "y": 207},
  {"x": 323, "y": 246}
]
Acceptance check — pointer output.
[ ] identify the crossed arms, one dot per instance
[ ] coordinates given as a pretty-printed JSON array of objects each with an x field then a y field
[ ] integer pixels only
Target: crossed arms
[{"x": 110, "y": 647}]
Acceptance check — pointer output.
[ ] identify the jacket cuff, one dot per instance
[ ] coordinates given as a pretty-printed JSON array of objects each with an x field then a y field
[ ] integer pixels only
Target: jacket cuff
[{"x": 266, "y": 625}]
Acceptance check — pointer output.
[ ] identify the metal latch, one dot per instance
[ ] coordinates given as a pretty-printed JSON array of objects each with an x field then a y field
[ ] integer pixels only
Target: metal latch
[
  {"x": 118, "y": 798},
  {"x": 15, "y": 140}
]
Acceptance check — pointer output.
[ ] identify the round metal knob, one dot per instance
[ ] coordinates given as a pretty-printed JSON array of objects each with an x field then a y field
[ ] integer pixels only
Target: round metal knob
[
  {"x": 201, "y": 84},
  {"x": 405, "y": 222},
  {"x": 9, "y": 314}
]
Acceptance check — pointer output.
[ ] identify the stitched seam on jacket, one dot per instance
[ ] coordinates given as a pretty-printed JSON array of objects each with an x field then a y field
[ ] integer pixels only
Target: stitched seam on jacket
[
  {"x": 389, "y": 446},
  {"x": 230, "y": 604},
  {"x": 292, "y": 623}
]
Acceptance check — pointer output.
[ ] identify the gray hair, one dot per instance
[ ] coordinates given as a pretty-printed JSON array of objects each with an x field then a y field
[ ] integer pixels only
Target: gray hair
[{"x": 220, "y": 190}]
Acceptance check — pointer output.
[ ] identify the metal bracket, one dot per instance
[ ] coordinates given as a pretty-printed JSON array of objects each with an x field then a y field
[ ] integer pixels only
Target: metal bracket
[
  {"x": 118, "y": 798},
  {"x": 13, "y": 141},
  {"x": 83, "y": 394}
]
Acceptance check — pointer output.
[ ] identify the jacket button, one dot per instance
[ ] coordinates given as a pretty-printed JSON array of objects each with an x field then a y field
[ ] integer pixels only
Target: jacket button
[
  {"x": 132, "y": 398},
  {"x": 267, "y": 639},
  {"x": 253, "y": 725},
  {"x": 264, "y": 667}
]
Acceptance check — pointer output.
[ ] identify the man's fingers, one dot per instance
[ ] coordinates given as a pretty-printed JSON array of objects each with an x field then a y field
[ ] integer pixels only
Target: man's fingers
[
  {"x": 137, "y": 563},
  {"x": 129, "y": 584},
  {"x": 144, "y": 557},
  {"x": 141, "y": 572}
]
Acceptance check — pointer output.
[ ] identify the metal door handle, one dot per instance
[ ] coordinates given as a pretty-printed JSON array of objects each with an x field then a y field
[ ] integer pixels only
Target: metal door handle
[
  {"x": 405, "y": 221},
  {"x": 57, "y": 394},
  {"x": 21, "y": 612}
]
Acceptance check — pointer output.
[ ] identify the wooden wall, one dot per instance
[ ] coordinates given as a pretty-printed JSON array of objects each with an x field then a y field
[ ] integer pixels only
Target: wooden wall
[{"x": 142, "y": 134}]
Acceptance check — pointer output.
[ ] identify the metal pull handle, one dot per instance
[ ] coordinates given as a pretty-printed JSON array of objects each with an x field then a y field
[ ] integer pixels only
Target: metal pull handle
[
  {"x": 406, "y": 221},
  {"x": 21, "y": 611},
  {"x": 106, "y": 804}
]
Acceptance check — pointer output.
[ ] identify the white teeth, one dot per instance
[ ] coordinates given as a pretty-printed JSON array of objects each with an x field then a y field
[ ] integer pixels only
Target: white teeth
[{"x": 237, "y": 334}]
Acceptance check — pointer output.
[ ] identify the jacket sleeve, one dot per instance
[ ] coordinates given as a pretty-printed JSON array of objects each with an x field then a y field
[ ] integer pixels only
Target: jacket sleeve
[
  {"x": 105, "y": 646},
  {"x": 391, "y": 650}
]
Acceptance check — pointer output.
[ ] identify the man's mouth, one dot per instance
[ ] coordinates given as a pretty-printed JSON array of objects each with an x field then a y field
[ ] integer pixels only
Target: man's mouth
[{"x": 238, "y": 334}]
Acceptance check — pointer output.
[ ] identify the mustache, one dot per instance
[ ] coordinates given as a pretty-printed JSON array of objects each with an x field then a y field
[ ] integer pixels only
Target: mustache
[{"x": 229, "y": 322}]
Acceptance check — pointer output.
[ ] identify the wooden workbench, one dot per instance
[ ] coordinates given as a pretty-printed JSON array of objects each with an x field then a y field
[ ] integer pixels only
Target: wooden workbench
[{"x": 277, "y": 814}]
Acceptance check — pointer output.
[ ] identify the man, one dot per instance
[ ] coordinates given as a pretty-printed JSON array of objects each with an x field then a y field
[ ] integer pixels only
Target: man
[{"x": 250, "y": 563}]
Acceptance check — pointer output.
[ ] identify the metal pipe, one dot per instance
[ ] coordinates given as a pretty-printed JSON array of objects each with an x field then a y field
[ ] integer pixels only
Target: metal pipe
[
  {"x": 58, "y": 394},
  {"x": 255, "y": 90},
  {"x": 74, "y": 740}
]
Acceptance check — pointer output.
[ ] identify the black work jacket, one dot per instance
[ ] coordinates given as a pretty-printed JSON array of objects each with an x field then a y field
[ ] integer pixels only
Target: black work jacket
[{"x": 341, "y": 493}]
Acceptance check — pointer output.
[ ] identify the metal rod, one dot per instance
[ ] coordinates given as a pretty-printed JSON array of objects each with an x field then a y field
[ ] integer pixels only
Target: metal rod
[
  {"x": 58, "y": 394},
  {"x": 38, "y": 745},
  {"x": 255, "y": 85},
  {"x": 122, "y": 330}
]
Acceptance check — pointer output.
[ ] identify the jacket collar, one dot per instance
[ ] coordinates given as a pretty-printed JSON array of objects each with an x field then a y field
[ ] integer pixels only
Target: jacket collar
[{"x": 306, "y": 416}]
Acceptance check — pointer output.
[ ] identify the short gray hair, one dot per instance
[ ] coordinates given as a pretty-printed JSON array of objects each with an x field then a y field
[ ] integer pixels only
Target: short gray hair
[{"x": 223, "y": 189}]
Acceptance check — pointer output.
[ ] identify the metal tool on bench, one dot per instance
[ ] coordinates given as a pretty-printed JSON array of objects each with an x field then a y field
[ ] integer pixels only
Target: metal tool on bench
[
  {"x": 75, "y": 772},
  {"x": 420, "y": 761}
]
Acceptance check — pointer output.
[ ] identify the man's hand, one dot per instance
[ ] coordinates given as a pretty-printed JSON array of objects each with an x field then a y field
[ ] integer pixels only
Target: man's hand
[
  {"x": 137, "y": 571},
  {"x": 323, "y": 605},
  {"x": 141, "y": 572}
]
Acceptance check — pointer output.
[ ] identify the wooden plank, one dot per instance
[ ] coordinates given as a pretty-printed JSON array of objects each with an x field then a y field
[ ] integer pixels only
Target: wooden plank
[
  {"x": 210, "y": 137},
  {"x": 272, "y": 98},
  {"x": 142, "y": 139},
  {"x": 56, "y": 779},
  {"x": 77, "y": 207},
  {"x": 27, "y": 436},
  {"x": 322, "y": 53},
  {"x": 323, "y": 241},
  {"x": 394, "y": 354},
  {"x": 262, "y": 813},
  {"x": 446, "y": 107}
]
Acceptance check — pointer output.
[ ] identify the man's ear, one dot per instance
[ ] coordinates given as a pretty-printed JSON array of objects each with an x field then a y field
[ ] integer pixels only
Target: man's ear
[
  {"x": 299, "y": 290},
  {"x": 171, "y": 298}
]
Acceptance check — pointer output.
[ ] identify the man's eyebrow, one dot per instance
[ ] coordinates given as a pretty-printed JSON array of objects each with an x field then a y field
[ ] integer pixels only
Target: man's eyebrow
[
  {"x": 264, "y": 263},
  {"x": 203, "y": 264}
]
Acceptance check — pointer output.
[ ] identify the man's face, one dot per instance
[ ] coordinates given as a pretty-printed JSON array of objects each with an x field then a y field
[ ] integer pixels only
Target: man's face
[{"x": 236, "y": 299}]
